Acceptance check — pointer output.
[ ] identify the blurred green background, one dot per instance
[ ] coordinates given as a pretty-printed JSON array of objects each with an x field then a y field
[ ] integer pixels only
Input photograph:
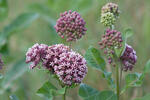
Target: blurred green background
[{"x": 26, "y": 22}]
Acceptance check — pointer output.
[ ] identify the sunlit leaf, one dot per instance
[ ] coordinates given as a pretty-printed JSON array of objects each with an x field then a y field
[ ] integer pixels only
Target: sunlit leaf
[{"x": 88, "y": 93}]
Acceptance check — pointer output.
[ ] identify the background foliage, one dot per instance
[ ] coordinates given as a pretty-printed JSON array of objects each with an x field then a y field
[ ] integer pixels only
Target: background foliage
[{"x": 25, "y": 22}]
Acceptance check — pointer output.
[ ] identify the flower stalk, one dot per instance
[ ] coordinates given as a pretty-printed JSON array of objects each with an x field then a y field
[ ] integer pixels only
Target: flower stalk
[{"x": 117, "y": 82}]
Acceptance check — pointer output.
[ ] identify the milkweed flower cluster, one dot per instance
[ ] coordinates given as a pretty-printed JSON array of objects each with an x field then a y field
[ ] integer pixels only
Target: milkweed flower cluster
[
  {"x": 70, "y": 26},
  {"x": 69, "y": 66},
  {"x": 110, "y": 40},
  {"x": 109, "y": 14},
  {"x": 35, "y": 54},
  {"x": 112, "y": 8},
  {"x": 128, "y": 58}
]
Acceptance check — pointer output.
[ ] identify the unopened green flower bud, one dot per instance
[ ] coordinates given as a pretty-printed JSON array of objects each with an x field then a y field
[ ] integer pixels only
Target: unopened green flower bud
[
  {"x": 108, "y": 19},
  {"x": 111, "y": 7}
]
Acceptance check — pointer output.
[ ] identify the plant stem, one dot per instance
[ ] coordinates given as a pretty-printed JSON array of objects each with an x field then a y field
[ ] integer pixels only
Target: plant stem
[
  {"x": 64, "y": 95},
  {"x": 117, "y": 82},
  {"x": 120, "y": 75}
]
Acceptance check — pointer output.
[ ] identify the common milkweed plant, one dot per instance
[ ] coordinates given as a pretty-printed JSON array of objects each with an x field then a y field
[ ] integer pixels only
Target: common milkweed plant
[{"x": 70, "y": 68}]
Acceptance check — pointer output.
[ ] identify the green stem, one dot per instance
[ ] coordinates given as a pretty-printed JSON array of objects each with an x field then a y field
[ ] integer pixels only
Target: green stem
[
  {"x": 64, "y": 95},
  {"x": 117, "y": 83}
]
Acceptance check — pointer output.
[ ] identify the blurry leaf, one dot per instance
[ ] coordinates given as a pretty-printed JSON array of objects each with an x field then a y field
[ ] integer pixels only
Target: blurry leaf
[
  {"x": 48, "y": 90},
  {"x": 13, "y": 97},
  {"x": 94, "y": 59},
  {"x": 146, "y": 97},
  {"x": 4, "y": 49},
  {"x": 14, "y": 72},
  {"x": 89, "y": 93},
  {"x": 21, "y": 22},
  {"x": 1, "y": 76},
  {"x": 147, "y": 67},
  {"x": 3, "y": 9},
  {"x": 128, "y": 32},
  {"x": 43, "y": 11},
  {"x": 133, "y": 80},
  {"x": 81, "y": 6}
]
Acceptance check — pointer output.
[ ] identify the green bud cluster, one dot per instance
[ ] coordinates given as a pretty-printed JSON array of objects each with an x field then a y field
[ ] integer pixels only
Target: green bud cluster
[
  {"x": 109, "y": 14},
  {"x": 108, "y": 19}
]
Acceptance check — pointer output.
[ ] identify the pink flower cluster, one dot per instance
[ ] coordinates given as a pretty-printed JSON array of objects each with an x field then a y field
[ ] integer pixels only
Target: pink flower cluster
[
  {"x": 70, "y": 25},
  {"x": 35, "y": 54},
  {"x": 110, "y": 40},
  {"x": 128, "y": 58},
  {"x": 69, "y": 66}
]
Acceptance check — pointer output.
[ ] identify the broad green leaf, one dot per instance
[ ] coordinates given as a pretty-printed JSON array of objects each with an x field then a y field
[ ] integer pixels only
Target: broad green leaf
[
  {"x": 94, "y": 59},
  {"x": 14, "y": 72},
  {"x": 13, "y": 97},
  {"x": 48, "y": 90},
  {"x": 3, "y": 9},
  {"x": 88, "y": 93},
  {"x": 133, "y": 80},
  {"x": 147, "y": 67},
  {"x": 21, "y": 22},
  {"x": 146, "y": 97}
]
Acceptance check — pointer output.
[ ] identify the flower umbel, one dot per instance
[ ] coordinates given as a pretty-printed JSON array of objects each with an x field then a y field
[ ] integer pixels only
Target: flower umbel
[
  {"x": 128, "y": 58},
  {"x": 35, "y": 54},
  {"x": 70, "y": 26},
  {"x": 53, "y": 55},
  {"x": 112, "y": 8},
  {"x": 69, "y": 66},
  {"x": 110, "y": 40}
]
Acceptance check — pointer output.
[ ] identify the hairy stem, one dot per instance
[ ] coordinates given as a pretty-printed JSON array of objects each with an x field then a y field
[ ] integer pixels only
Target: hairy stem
[{"x": 117, "y": 83}]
